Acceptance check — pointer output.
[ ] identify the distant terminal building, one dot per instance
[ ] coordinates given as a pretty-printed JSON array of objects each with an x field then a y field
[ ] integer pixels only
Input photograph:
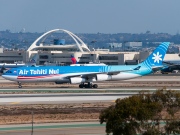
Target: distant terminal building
[
  {"x": 133, "y": 44},
  {"x": 58, "y": 52},
  {"x": 13, "y": 56}
]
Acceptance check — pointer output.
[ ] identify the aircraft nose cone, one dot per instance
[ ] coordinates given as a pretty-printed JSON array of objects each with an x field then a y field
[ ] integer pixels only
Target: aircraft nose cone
[
  {"x": 3, "y": 76},
  {"x": 11, "y": 78}
]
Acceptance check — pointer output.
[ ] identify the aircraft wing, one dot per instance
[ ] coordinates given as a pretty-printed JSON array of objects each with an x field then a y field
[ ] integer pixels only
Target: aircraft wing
[
  {"x": 169, "y": 63},
  {"x": 94, "y": 74},
  {"x": 172, "y": 65},
  {"x": 91, "y": 75}
]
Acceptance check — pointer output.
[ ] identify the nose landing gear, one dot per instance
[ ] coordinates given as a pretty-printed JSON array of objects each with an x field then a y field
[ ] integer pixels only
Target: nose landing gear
[
  {"x": 88, "y": 85},
  {"x": 19, "y": 85}
]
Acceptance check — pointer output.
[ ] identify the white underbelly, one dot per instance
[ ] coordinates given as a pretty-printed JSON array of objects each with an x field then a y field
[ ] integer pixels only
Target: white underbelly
[{"x": 124, "y": 76}]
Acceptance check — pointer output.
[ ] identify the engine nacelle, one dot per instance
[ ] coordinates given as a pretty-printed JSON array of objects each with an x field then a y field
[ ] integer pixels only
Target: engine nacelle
[
  {"x": 77, "y": 80},
  {"x": 61, "y": 81},
  {"x": 103, "y": 77}
]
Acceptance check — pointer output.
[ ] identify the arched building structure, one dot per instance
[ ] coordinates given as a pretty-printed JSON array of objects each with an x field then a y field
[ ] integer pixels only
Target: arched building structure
[{"x": 62, "y": 53}]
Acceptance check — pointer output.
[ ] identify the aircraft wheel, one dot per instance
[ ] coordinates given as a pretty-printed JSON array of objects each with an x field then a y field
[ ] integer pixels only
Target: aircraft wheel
[
  {"x": 81, "y": 85},
  {"x": 90, "y": 86},
  {"x": 19, "y": 85},
  {"x": 95, "y": 86},
  {"x": 86, "y": 86}
]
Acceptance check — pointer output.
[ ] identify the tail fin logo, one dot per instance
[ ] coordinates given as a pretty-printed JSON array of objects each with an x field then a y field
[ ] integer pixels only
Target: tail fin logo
[
  {"x": 32, "y": 61},
  {"x": 73, "y": 59},
  {"x": 157, "y": 57}
]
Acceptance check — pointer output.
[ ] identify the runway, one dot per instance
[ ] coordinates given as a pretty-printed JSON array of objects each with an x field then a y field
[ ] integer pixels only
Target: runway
[
  {"x": 79, "y": 90},
  {"x": 159, "y": 78},
  {"x": 6, "y": 99},
  {"x": 40, "y": 96}
]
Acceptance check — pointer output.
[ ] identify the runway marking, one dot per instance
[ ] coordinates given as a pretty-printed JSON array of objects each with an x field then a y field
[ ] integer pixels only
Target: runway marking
[{"x": 14, "y": 103}]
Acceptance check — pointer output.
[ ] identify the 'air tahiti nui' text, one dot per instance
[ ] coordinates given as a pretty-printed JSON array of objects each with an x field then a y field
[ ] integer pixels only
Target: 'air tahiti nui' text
[{"x": 38, "y": 71}]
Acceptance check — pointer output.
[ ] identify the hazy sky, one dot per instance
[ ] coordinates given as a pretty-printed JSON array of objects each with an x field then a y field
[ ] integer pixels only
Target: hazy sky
[{"x": 91, "y": 16}]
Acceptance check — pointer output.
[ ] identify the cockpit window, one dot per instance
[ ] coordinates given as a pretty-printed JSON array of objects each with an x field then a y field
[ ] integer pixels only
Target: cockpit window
[{"x": 9, "y": 72}]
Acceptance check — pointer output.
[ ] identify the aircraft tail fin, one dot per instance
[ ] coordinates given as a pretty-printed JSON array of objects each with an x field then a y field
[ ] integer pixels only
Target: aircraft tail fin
[
  {"x": 156, "y": 58},
  {"x": 73, "y": 60},
  {"x": 33, "y": 60},
  {"x": 3, "y": 69}
]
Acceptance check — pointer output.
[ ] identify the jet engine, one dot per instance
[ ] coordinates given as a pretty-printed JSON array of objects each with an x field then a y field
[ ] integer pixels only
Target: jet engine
[
  {"x": 103, "y": 77},
  {"x": 61, "y": 81},
  {"x": 77, "y": 80}
]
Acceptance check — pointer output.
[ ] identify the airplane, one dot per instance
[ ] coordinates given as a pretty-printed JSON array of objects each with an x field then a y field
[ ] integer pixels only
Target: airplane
[
  {"x": 86, "y": 75},
  {"x": 75, "y": 63},
  {"x": 170, "y": 66},
  {"x": 6, "y": 66},
  {"x": 73, "y": 60},
  {"x": 89, "y": 64}
]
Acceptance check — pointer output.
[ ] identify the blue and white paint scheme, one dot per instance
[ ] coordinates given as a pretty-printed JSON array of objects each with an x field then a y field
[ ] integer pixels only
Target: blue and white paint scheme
[{"x": 85, "y": 75}]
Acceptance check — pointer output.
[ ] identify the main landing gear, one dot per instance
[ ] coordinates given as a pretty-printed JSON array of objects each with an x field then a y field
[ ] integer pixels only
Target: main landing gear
[
  {"x": 19, "y": 85},
  {"x": 88, "y": 85}
]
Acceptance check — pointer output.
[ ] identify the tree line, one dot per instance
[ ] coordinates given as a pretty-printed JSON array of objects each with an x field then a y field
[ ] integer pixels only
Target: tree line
[{"x": 146, "y": 113}]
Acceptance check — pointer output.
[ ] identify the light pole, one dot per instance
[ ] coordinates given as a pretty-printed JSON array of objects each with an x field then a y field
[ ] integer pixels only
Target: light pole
[{"x": 32, "y": 122}]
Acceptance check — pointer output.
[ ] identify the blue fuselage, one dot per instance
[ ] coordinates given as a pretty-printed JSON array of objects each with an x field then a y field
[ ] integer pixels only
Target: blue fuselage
[{"x": 59, "y": 73}]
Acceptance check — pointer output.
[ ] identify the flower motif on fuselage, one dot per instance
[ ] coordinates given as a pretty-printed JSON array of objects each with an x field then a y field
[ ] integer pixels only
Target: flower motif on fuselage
[{"x": 157, "y": 57}]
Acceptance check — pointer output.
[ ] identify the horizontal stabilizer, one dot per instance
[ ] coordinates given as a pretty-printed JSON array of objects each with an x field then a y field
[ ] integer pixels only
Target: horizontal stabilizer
[
  {"x": 137, "y": 68},
  {"x": 156, "y": 68}
]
